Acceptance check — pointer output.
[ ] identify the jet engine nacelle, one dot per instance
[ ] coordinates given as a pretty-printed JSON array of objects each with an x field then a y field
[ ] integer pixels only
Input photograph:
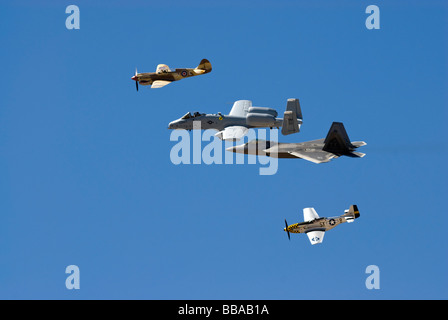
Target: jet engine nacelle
[
  {"x": 260, "y": 120},
  {"x": 270, "y": 111}
]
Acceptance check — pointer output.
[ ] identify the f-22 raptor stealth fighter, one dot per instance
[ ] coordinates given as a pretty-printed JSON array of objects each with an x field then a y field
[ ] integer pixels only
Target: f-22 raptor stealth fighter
[
  {"x": 164, "y": 75},
  {"x": 336, "y": 144},
  {"x": 315, "y": 227},
  {"x": 241, "y": 118}
]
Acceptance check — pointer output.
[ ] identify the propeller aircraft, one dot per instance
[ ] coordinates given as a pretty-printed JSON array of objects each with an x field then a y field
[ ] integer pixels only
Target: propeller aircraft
[
  {"x": 164, "y": 75},
  {"x": 315, "y": 227}
]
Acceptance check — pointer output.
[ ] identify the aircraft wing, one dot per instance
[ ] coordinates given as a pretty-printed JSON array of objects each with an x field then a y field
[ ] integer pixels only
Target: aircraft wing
[
  {"x": 240, "y": 108},
  {"x": 313, "y": 156},
  {"x": 316, "y": 236},
  {"x": 159, "y": 84},
  {"x": 309, "y": 214},
  {"x": 232, "y": 133}
]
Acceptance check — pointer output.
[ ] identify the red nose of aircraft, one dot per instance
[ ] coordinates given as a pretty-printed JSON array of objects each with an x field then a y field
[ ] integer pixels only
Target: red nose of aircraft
[{"x": 134, "y": 78}]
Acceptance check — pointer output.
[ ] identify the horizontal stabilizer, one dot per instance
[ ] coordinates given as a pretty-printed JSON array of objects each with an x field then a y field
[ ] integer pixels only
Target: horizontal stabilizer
[
  {"x": 358, "y": 144},
  {"x": 355, "y": 154},
  {"x": 199, "y": 71}
]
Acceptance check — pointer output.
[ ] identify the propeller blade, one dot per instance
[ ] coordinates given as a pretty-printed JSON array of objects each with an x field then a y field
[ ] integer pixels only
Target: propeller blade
[
  {"x": 287, "y": 231},
  {"x": 135, "y": 78}
]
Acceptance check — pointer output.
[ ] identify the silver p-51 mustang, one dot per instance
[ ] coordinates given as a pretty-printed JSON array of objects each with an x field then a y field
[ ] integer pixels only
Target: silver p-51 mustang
[
  {"x": 241, "y": 118},
  {"x": 315, "y": 227}
]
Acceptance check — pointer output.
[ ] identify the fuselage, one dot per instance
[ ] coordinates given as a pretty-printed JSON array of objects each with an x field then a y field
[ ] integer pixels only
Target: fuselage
[
  {"x": 279, "y": 149},
  {"x": 219, "y": 122},
  {"x": 148, "y": 78},
  {"x": 165, "y": 75},
  {"x": 323, "y": 224},
  {"x": 283, "y": 150}
]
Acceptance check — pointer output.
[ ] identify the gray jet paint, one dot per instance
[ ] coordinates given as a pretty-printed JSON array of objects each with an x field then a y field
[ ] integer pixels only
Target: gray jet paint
[
  {"x": 242, "y": 117},
  {"x": 336, "y": 144}
]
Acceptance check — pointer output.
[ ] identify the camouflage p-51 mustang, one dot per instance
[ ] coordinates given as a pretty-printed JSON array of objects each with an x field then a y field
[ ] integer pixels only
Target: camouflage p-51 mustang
[{"x": 164, "y": 75}]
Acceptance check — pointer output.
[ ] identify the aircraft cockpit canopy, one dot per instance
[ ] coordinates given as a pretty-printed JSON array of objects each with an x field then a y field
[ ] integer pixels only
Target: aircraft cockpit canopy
[
  {"x": 187, "y": 116},
  {"x": 162, "y": 68}
]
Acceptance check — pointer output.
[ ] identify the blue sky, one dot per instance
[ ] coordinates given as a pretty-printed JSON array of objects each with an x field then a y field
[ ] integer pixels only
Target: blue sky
[{"x": 86, "y": 176}]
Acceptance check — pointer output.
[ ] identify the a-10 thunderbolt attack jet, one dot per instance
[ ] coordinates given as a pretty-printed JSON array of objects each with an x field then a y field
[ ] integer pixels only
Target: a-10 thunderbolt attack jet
[
  {"x": 336, "y": 144},
  {"x": 241, "y": 118},
  {"x": 164, "y": 75},
  {"x": 315, "y": 227}
]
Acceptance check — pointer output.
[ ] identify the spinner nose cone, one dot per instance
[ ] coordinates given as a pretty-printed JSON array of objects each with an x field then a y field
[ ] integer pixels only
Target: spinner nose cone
[{"x": 135, "y": 78}]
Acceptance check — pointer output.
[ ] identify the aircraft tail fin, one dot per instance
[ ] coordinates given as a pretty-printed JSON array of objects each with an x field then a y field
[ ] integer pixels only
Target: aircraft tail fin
[
  {"x": 354, "y": 210},
  {"x": 351, "y": 214},
  {"x": 294, "y": 106},
  {"x": 337, "y": 140},
  {"x": 204, "y": 66},
  {"x": 292, "y": 116},
  {"x": 290, "y": 124}
]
